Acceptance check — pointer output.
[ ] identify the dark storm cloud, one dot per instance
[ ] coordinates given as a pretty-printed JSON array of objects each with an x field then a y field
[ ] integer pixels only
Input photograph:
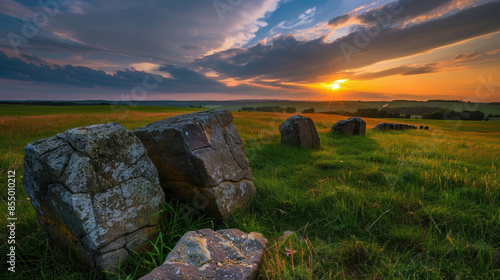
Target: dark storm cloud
[
  {"x": 32, "y": 58},
  {"x": 406, "y": 9},
  {"x": 182, "y": 79},
  {"x": 288, "y": 59}
]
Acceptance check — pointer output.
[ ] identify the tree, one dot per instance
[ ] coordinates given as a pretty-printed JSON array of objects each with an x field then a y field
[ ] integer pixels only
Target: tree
[{"x": 382, "y": 114}]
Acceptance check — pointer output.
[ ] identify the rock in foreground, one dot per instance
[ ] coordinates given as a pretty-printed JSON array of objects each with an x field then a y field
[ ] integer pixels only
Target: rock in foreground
[
  {"x": 200, "y": 160},
  {"x": 299, "y": 131},
  {"x": 206, "y": 254},
  {"x": 351, "y": 126},
  {"x": 95, "y": 190}
]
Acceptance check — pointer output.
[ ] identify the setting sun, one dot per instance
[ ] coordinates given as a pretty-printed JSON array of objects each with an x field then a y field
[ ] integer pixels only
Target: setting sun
[{"x": 336, "y": 84}]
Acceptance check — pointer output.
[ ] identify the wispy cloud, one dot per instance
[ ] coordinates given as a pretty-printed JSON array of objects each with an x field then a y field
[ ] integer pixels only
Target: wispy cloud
[
  {"x": 456, "y": 63},
  {"x": 304, "y": 18}
]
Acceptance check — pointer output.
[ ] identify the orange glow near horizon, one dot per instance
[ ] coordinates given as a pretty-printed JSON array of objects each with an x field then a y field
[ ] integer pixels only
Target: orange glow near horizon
[{"x": 336, "y": 84}]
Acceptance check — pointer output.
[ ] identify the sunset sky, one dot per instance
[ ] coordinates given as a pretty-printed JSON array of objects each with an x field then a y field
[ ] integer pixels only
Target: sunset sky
[{"x": 250, "y": 49}]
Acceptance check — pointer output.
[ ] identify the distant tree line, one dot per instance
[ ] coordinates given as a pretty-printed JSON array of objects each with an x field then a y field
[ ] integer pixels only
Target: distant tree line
[
  {"x": 370, "y": 113},
  {"x": 443, "y": 100},
  {"x": 272, "y": 109},
  {"x": 375, "y": 113},
  {"x": 416, "y": 110},
  {"x": 448, "y": 114}
]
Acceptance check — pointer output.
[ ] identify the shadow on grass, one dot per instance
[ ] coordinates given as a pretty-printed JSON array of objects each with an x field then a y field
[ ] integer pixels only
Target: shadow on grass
[
  {"x": 350, "y": 145},
  {"x": 277, "y": 154}
]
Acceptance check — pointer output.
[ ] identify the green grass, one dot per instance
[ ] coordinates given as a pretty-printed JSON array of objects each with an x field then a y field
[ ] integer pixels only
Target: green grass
[{"x": 392, "y": 205}]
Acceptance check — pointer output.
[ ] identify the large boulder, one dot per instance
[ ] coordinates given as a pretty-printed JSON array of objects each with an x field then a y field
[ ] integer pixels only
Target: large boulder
[
  {"x": 201, "y": 160},
  {"x": 299, "y": 131},
  {"x": 351, "y": 126},
  {"x": 206, "y": 254},
  {"x": 95, "y": 190}
]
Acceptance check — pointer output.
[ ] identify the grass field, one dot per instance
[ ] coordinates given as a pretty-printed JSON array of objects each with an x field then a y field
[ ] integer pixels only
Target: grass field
[{"x": 392, "y": 205}]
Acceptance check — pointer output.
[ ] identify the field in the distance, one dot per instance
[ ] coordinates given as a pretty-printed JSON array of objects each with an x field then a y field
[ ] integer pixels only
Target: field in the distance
[{"x": 392, "y": 205}]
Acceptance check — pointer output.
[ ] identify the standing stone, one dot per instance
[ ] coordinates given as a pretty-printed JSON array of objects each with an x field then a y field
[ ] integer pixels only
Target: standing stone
[
  {"x": 206, "y": 254},
  {"x": 382, "y": 126},
  {"x": 95, "y": 190},
  {"x": 299, "y": 131},
  {"x": 351, "y": 126},
  {"x": 200, "y": 160}
]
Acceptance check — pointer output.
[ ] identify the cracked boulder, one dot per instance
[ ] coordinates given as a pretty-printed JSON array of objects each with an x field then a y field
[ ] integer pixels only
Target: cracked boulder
[
  {"x": 351, "y": 126},
  {"x": 299, "y": 131},
  {"x": 95, "y": 190},
  {"x": 206, "y": 254},
  {"x": 200, "y": 160}
]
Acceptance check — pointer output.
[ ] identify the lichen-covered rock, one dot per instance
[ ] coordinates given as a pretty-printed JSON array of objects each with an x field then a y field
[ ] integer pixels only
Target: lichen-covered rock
[
  {"x": 394, "y": 126},
  {"x": 299, "y": 131},
  {"x": 351, "y": 126},
  {"x": 200, "y": 160},
  {"x": 206, "y": 254},
  {"x": 95, "y": 190}
]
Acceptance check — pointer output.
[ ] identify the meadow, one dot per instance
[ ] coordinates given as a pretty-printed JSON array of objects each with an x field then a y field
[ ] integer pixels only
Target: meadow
[{"x": 416, "y": 204}]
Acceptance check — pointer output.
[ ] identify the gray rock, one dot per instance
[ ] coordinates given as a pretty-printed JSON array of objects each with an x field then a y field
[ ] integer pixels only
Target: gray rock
[
  {"x": 206, "y": 254},
  {"x": 201, "y": 160},
  {"x": 93, "y": 189},
  {"x": 299, "y": 131},
  {"x": 351, "y": 126},
  {"x": 382, "y": 126}
]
